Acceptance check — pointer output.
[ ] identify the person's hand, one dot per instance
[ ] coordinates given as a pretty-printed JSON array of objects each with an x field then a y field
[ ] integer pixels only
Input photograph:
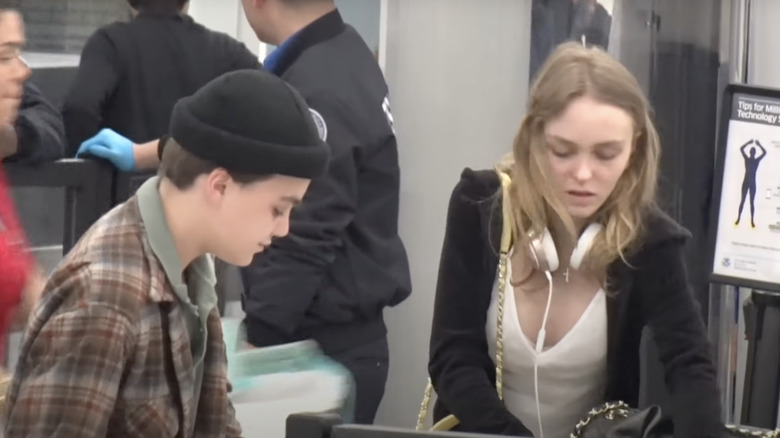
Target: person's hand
[{"x": 108, "y": 144}]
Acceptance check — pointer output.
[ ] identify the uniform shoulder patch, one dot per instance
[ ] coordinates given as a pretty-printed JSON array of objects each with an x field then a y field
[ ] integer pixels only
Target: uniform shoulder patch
[
  {"x": 322, "y": 127},
  {"x": 388, "y": 113}
]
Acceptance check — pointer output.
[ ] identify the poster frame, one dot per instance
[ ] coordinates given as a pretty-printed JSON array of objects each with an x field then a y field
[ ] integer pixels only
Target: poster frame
[{"x": 729, "y": 94}]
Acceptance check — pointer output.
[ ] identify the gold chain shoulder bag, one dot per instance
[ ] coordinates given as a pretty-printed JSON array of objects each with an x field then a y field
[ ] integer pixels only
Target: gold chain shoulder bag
[{"x": 450, "y": 421}]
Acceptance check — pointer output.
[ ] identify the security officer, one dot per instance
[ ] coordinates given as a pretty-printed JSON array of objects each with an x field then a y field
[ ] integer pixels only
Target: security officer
[
  {"x": 131, "y": 74},
  {"x": 343, "y": 261}
]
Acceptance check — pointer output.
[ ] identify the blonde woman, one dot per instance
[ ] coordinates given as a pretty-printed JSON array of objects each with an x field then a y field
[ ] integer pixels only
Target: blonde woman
[{"x": 592, "y": 262}]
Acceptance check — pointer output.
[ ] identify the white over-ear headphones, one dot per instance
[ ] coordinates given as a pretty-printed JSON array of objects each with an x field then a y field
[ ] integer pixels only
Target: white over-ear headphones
[
  {"x": 545, "y": 256},
  {"x": 542, "y": 248}
]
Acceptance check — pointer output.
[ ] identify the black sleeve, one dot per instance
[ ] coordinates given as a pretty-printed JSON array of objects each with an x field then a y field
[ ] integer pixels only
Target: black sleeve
[
  {"x": 39, "y": 129},
  {"x": 459, "y": 354},
  {"x": 242, "y": 57},
  {"x": 95, "y": 82},
  {"x": 280, "y": 284},
  {"x": 673, "y": 315}
]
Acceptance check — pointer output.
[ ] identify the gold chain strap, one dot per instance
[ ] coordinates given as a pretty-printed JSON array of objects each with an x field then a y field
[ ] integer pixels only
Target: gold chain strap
[
  {"x": 506, "y": 243},
  {"x": 750, "y": 433},
  {"x": 426, "y": 402},
  {"x": 502, "y": 280},
  {"x": 610, "y": 410}
]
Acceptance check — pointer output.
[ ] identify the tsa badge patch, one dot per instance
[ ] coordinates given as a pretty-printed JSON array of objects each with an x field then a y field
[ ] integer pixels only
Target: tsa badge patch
[{"x": 322, "y": 127}]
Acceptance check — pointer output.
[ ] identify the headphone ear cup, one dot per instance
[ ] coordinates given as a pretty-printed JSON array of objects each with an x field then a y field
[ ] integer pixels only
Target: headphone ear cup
[
  {"x": 583, "y": 244},
  {"x": 543, "y": 252}
]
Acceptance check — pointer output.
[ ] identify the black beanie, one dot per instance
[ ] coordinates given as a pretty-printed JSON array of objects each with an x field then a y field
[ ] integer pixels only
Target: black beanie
[{"x": 250, "y": 121}]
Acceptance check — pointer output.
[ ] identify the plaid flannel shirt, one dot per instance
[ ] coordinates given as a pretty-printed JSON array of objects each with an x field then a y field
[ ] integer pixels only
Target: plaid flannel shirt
[{"x": 107, "y": 351}]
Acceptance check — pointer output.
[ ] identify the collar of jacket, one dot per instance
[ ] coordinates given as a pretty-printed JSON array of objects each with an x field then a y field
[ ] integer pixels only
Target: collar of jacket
[
  {"x": 320, "y": 30},
  {"x": 162, "y": 14}
]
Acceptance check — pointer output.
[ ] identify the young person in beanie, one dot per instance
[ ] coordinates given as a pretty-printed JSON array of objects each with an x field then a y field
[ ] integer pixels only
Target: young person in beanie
[
  {"x": 344, "y": 262},
  {"x": 127, "y": 340}
]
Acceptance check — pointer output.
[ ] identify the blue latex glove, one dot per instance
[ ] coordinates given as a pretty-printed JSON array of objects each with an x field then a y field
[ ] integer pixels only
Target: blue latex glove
[{"x": 113, "y": 147}]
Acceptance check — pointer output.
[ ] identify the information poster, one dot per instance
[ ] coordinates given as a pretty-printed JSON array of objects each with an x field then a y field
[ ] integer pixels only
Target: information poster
[{"x": 747, "y": 244}]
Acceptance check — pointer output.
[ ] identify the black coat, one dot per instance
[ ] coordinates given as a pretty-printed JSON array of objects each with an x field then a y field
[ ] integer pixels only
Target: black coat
[
  {"x": 654, "y": 293},
  {"x": 343, "y": 262}
]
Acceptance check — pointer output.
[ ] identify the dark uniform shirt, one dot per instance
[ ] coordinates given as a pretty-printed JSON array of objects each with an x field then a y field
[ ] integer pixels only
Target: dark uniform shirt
[
  {"x": 343, "y": 261},
  {"x": 131, "y": 74}
]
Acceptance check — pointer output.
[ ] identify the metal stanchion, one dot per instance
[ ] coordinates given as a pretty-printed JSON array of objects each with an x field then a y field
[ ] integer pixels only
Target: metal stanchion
[
  {"x": 723, "y": 330},
  {"x": 744, "y": 327},
  {"x": 762, "y": 370},
  {"x": 87, "y": 185}
]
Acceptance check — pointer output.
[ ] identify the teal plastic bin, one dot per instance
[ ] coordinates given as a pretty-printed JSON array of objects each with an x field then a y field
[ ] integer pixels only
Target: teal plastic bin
[{"x": 271, "y": 383}]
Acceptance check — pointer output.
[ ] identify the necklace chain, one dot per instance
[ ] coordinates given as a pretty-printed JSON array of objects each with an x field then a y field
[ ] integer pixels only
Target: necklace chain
[{"x": 565, "y": 276}]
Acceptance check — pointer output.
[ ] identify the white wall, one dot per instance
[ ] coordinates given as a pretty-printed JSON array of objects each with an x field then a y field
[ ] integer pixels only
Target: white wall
[
  {"x": 609, "y": 5},
  {"x": 363, "y": 15},
  {"x": 457, "y": 72},
  {"x": 763, "y": 34}
]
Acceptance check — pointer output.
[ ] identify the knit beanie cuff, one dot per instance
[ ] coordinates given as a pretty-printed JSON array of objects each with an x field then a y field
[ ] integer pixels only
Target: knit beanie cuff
[{"x": 241, "y": 154}]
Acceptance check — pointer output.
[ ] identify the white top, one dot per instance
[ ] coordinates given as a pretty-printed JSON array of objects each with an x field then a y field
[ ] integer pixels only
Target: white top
[{"x": 572, "y": 373}]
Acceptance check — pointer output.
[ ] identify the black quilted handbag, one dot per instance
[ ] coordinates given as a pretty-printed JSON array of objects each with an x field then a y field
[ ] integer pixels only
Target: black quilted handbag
[{"x": 618, "y": 420}]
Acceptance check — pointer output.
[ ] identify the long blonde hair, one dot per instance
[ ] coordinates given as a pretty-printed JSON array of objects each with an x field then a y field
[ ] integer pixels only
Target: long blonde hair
[{"x": 570, "y": 72}]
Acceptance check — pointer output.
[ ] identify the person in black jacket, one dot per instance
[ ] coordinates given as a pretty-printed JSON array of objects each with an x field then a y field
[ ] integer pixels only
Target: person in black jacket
[
  {"x": 131, "y": 74},
  {"x": 591, "y": 261},
  {"x": 343, "y": 262}
]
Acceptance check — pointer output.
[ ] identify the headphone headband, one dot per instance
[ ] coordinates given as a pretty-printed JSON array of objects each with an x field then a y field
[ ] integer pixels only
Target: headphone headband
[{"x": 542, "y": 248}]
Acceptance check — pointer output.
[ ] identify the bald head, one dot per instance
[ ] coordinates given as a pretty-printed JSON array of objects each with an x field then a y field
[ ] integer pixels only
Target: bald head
[{"x": 276, "y": 20}]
